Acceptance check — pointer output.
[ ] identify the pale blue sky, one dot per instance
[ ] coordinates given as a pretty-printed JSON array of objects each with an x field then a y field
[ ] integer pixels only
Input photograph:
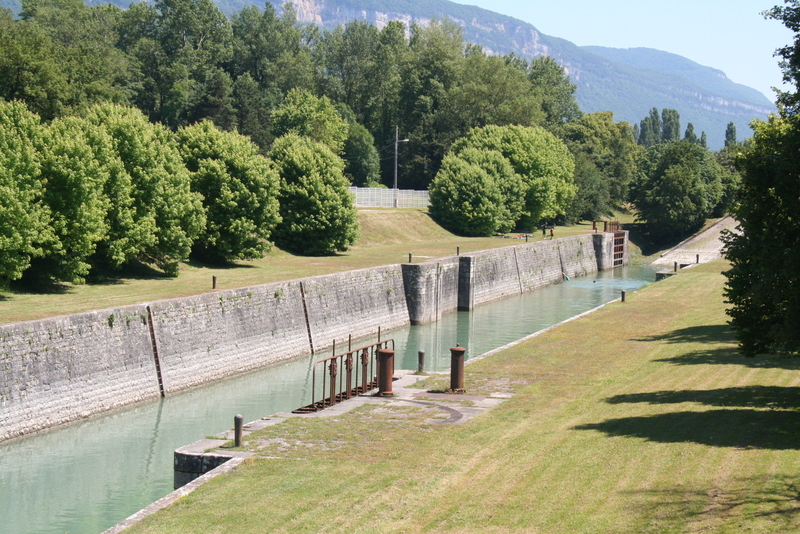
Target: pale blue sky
[{"x": 729, "y": 35}]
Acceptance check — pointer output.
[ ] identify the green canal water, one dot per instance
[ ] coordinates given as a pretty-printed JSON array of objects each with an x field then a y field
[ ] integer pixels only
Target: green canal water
[{"x": 87, "y": 477}]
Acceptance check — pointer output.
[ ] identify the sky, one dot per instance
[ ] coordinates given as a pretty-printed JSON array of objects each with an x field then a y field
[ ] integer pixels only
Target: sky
[{"x": 729, "y": 35}]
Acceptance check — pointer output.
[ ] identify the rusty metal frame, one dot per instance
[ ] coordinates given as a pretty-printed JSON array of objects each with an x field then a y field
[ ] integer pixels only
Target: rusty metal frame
[{"x": 345, "y": 375}]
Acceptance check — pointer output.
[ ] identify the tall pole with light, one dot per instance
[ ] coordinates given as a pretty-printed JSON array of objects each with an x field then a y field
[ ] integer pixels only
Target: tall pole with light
[{"x": 396, "y": 141}]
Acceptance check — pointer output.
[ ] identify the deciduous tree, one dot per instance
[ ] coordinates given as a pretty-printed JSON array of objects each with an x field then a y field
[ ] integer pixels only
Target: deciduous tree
[
  {"x": 318, "y": 210},
  {"x": 239, "y": 188}
]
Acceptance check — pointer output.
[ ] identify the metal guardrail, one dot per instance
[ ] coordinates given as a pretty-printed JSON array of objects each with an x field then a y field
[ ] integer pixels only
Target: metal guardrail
[{"x": 345, "y": 375}]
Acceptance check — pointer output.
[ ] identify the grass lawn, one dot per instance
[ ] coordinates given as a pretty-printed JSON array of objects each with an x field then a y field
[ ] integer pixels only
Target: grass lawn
[
  {"x": 387, "y": 237},
  {"x": 640, "y": 417}
]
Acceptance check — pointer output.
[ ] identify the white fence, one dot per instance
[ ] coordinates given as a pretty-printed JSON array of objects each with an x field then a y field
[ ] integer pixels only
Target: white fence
[{"x": 378, "y": 197}]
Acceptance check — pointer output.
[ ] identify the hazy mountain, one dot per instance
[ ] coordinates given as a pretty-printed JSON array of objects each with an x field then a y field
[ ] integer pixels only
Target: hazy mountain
[{"x": 628, "y": 82}]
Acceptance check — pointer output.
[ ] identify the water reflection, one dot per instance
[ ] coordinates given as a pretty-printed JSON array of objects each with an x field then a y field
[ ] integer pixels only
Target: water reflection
[{"x": 89, "y": 476}]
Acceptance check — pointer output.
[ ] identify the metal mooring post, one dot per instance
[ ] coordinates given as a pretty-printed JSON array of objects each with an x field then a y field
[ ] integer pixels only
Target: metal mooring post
[
  {"x": 409, "y": 257},
  {"x": 385, "y": 372},
  {"x": 457, "y": 369},
  {"x": 676, "y": 267},
  {"x": 420, "y": 361},
  {"x": 698, "y": 259},
  {"x": 238, "y": 421},
  {"x": 214, "y": 282},
  {"x": 623, "y": 296}
]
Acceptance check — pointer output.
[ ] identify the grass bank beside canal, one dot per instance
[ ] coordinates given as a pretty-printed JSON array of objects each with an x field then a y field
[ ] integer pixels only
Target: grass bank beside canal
[
  {"x": 387, "y": 237},
  {"x": 640, "y": 417}
]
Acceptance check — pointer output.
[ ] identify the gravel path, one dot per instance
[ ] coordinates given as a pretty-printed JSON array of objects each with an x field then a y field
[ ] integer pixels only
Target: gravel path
[{"x": 706, "y": 244}]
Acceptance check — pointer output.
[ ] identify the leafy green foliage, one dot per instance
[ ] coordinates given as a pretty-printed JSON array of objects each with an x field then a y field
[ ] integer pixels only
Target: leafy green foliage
[
  {"x": 306, "y": 115},
  {"x": 239, "y": 189},
  {"x": 362, "y": 163},
  {"x": 765, "y": 254},
  {"x": 319, "y": 215},
  {"x": 77, "y": 160},
  {"x": 679, "y": 187},
  {"x": 24, "y": 221},
  {"x": 465, "y": 199},
  {"x": 166, "y": 215},
  {"x": 611, "y": 148},
  {"x": 542, "y": 161}
]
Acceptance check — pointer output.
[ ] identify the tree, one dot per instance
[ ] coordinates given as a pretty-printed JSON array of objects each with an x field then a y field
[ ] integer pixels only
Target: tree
[
  {"x": 239, "y": 188},
  {"x": 650, "y": 132},
  {"x": 318, "y": 212},
  {"x": 671, "y": 125},
  {"x": 362, "y": 164},
  {"x": 166, "y": 215},
  {"x": 789, "y": 15},
  {"x": 465, "y": 199},
  {"x": 765, "y": 252},
  {"x": 611, "y": 148},
  {"x": 542, "y": 161},
  {"x": 24, "y": 221},
  {"x": 678, "y": 187},
  {"x": 689, "y": 134},
  {"x": 555, "y": 91},
  {"x": 730, "y": 135},
  {"x": 306, "y": 115},
  {"x": 77, "y": 160},
  {"x": 592, "y": 199}
]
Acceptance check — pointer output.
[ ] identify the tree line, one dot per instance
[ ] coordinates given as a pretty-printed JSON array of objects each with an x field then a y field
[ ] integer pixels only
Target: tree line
[{"x": 258, "y": 123}]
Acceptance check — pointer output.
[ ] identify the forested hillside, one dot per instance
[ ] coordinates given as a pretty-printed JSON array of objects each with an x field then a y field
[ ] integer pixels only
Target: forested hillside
[{"x": 627, "y": 82}]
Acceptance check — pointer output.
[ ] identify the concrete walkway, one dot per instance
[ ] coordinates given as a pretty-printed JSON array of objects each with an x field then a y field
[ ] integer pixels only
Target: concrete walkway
[{"x": 707, "y": 245}]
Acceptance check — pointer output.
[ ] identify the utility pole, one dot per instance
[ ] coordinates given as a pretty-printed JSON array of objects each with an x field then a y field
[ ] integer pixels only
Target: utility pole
[{"x": 396, "y": 141}]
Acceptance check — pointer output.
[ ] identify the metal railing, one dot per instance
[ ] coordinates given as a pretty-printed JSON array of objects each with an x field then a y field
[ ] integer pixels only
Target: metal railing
[
  {"x": 378, "y": 197},
  {"x": 345, "y": 375}
]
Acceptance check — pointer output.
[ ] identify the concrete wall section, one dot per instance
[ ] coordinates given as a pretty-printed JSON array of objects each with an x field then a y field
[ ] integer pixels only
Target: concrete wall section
[
  {"x": 63, "y": 369},
  {"x": 489, "y": 274},
  {"x": 431, "y": 289},
  {"x": 354, "y": 302},
  {"x": 604, "y": 250},
  {"x": 539, "y": 264},
  {"x": 217, "y": 335},
  {"x": 577, "y": 255}
]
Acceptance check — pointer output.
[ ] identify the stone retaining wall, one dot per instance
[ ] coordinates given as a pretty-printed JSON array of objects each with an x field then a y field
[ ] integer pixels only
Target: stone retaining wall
[
  {"x": 59, "y": 370},
  {"x": 212, "y": 336}
]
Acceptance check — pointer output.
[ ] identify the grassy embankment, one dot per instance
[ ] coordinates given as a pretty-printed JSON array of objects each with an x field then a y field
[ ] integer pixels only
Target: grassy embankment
[
  {"x": 640, "y": 417},
  {"x": 387, "y": 236}
]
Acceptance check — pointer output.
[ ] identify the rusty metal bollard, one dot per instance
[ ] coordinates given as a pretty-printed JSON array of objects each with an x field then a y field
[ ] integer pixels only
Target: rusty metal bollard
[
  {"x": 238, "y": 423},
  {"x": 364, "y": 370},
  {"x": 348, "y": 365},
  {"x": 420, "y": 361},
  {"x": 334, "y": 368},
  {"x": 385, "y": 372},
  {"x": 457, "y": 369}
]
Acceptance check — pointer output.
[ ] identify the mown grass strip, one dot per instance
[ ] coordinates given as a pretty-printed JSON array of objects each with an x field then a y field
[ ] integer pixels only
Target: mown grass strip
[
  {"x": 387, "y": 237},
  {"x": 641, "y": 417}
]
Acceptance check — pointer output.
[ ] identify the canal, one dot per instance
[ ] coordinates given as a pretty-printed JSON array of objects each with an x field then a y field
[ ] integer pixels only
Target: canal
[{"x": 86, "y": 477}]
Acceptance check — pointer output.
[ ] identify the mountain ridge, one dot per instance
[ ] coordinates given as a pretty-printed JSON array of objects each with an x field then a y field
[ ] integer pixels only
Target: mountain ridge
[
  {"x": 620, "y": 80},
  {"x": 629, "y": 82}
]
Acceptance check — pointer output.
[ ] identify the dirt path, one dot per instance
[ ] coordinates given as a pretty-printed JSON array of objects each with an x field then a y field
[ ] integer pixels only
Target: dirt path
[{"x": 706, "y": 245}]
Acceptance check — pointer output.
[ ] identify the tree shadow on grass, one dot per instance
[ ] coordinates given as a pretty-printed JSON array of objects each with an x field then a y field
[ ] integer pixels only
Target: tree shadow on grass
[
  {"x": 762, "y": 496},
  {"x": 773, "y": 397},
  {"x": 743, "y": 429},
  {"x": 712, "y": 333}
]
